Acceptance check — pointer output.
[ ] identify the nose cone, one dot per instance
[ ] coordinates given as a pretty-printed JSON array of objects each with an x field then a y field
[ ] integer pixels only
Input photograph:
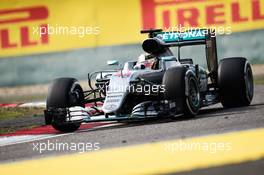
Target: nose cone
[{"x": 113, "y": 102}]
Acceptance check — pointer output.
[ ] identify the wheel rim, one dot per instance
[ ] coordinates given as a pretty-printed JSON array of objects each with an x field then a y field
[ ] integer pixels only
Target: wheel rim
[
  {"x": 249, "y": 83},
  {"x": 76, "y": 96},
  {"x": 194, "y": 95}
]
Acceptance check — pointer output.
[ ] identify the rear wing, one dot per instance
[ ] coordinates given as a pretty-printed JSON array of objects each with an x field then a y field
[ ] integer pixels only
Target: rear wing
[
  {"x": 176, "y": 38},
  {"x": 185, "y": 38}
]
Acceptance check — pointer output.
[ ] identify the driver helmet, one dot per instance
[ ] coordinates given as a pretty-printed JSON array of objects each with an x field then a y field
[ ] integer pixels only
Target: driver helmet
[{"x": 144, "y": 61}]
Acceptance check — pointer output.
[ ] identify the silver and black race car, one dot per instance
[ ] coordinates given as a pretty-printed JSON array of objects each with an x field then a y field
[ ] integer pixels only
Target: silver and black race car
[{"x": 157, "y": 85}]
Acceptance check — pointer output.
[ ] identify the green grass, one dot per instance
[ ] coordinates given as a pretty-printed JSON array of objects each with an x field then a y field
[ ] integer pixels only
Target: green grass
[
  {"x": 10, "y": 113},
  {"x": 259, "y": 79},
  {"x": 16, "y": 114},
  {"x": 14, "y": 129},
  {"x": 22, "y": 99}
]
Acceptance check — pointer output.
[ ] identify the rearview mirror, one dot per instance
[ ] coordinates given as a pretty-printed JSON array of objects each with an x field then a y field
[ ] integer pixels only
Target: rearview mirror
[{"x": 112, "y": 62}]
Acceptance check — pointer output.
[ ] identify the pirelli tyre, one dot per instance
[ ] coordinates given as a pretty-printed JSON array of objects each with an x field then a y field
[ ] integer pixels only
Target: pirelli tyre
[
  {"x": 235, "y": 82},
  {"x": 63, "y": 93},
  {"x": 181, "y": 85}
]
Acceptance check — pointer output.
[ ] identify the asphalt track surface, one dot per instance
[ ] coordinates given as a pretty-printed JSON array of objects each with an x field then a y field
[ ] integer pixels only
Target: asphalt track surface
[{"x": 212, "y": 120}]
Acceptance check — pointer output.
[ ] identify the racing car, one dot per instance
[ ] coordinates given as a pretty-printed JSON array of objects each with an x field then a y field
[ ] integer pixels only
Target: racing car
[{"x": 157, "y": 85}]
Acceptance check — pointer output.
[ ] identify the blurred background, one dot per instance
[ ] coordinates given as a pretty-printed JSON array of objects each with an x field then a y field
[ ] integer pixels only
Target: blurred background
[{"x": 43, "y": 40}]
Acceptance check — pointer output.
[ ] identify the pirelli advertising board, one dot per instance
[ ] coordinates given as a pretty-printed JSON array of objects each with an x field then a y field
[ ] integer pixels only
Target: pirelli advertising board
[{"x": 32, "y": 27}]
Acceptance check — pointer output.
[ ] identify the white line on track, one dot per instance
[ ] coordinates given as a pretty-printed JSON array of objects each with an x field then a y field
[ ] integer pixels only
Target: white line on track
[{"x": 12, "y": 140}]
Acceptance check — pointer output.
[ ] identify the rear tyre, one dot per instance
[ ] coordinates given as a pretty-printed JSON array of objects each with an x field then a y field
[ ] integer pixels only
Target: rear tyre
[
  {"x": 235, "y": 82},
  {"x": 175, "y": 80},
  {"x": 63, "y": 93}
]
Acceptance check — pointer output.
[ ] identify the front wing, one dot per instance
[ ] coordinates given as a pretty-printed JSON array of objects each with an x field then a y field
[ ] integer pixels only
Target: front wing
[{"x": 144, "y": 110}]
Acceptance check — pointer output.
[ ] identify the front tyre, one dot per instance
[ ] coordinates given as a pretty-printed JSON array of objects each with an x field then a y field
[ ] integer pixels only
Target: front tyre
[
  {"x": 235, "y": 82},
  {"x": 181, "y": 85},
  {"x": 65, "y": 93}
]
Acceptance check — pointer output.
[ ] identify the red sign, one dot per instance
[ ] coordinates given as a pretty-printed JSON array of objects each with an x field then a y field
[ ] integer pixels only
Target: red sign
[
  {"x": 37, "y": 13},
  {"x": 215, "y": 12}
]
